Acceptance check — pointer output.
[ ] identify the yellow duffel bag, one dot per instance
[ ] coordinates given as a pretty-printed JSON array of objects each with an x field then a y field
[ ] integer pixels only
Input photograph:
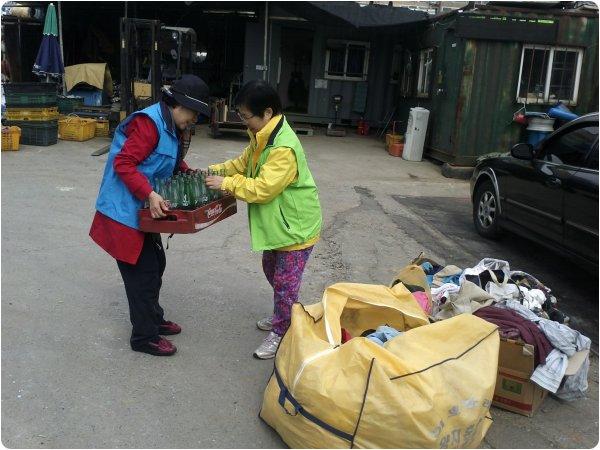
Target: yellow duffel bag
[{"x": 429, "y": 387}]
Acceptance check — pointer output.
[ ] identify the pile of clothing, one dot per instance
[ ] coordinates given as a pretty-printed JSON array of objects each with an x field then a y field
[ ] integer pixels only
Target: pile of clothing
[{"x": 522, "y": 307}]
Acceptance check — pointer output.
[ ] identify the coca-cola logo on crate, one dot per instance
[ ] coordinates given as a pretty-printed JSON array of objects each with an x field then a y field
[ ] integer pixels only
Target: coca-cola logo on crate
[{"x": 214, "y": 211}]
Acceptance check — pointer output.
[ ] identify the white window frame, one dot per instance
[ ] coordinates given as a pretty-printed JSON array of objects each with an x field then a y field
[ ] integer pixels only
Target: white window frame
[
  {"x": 397, "y": 62},
  {"x": 423, "y": 85},
  {"x": 546, "y": 100},
  {"x": 347, "y": 44}
]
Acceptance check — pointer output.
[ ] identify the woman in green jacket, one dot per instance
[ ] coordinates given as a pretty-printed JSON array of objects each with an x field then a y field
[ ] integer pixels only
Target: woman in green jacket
[{"x": 284, "y": 211}]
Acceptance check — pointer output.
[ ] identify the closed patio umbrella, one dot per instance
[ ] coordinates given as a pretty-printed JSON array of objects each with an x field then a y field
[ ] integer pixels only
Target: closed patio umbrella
[{"x": 49, "y": 61}]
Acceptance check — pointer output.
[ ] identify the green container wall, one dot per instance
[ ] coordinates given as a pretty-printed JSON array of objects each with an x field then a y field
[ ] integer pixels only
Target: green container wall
[
  {"x": 473, "y": 94},
  {"x": 487, "y": 100},
  {"x": 446, "y": 101}
]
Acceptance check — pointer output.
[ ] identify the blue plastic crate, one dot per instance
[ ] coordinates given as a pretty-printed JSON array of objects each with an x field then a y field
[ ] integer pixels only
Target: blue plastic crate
[{"x": 91, "y": 97}]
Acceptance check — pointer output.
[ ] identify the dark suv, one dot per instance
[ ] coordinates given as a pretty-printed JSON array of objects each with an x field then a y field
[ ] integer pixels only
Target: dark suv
[{"x": 547, "y": 193}]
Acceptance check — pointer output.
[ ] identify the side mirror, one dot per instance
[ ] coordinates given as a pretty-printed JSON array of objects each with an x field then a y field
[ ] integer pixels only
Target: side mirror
[{"x": 522, "y": 151}]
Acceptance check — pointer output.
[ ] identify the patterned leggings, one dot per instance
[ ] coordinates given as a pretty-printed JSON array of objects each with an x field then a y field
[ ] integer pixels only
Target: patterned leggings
[{"x": 284, "y": 272}]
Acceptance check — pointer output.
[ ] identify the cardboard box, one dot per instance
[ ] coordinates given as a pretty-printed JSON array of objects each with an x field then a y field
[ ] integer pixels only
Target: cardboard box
[
  {"x": 142, "y": 90},
  {"x": 514, "y": 390}
]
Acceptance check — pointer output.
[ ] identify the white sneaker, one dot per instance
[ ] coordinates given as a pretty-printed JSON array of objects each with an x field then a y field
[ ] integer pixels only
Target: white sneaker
[
  {"x": 265, "y": 324},
  {"x": 269, "y": 347}
]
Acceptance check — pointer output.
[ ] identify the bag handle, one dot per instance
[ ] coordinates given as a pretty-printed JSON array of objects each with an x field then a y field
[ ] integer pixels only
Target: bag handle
[
  {"x": 284, "y": 394},
  {"x": 336, "y": 297},
  {"x": 495, "y": 278},
  {"x": 70, "y": 117}
]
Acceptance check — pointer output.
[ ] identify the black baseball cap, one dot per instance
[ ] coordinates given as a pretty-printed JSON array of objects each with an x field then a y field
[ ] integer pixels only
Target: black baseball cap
[{"x": 190, "y": 92}]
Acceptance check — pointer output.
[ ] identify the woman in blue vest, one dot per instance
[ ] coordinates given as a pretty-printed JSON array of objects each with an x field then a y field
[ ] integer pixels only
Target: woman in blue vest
[{"x": 148, "y": 144}]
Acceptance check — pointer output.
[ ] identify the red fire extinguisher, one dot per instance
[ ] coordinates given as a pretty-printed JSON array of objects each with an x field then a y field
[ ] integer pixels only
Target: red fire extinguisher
[{"x": 362, "y": 127}]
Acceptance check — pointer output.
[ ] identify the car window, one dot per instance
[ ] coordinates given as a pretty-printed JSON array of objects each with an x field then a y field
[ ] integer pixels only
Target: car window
[{"x": 570, "y": 148}]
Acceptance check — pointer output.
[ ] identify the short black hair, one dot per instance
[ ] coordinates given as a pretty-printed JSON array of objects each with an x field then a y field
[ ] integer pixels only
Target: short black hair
[{"x": 257, "y": 96}]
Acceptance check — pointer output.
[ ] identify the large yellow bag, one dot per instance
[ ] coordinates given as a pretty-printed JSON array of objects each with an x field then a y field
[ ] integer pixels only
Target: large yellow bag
[{"x": 430, "y": 387}]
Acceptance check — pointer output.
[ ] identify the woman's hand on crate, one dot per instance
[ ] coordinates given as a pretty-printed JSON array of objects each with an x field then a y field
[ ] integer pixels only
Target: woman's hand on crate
[
  {"x": 158, "y": 205},
  {"x": 214, "y": 182}
]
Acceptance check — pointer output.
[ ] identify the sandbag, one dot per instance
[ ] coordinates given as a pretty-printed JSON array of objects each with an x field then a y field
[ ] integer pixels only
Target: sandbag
[{"x": 429, "y": 387}]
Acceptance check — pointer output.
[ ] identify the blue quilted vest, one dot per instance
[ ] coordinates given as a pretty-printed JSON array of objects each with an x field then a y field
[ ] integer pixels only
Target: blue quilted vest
[{"x": 114, "y": 199}]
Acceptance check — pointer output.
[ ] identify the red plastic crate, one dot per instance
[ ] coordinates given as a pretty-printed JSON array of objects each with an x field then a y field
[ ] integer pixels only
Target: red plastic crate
[{"x": 181, "y": 221}]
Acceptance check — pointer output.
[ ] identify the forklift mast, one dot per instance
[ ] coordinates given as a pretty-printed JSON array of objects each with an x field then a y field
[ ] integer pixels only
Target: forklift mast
[{"x": 140, "y": 62}]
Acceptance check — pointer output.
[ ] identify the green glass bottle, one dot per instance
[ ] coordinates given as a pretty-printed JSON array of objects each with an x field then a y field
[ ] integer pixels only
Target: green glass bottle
[
  {"x": 190, "y": 191},
  {"x": 173, "y": 193},
  {"x": 205, "y": 198},
  {"x": 166, "y": 192},
  {"x": 196, "y": 180},
  {"x": 183, "y": 192},
  {"x": 209, "y": 191}
]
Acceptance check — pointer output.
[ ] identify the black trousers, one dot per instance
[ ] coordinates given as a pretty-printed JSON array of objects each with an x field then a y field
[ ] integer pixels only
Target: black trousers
[{"x": 143, "y": 281}]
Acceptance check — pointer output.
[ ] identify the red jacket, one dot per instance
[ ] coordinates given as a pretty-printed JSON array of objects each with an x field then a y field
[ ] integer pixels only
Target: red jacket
[{"x": 118, "y": 240}]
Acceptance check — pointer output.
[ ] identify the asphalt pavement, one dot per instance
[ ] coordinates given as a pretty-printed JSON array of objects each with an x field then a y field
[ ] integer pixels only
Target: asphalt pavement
[{"x": 69, "y": 378}]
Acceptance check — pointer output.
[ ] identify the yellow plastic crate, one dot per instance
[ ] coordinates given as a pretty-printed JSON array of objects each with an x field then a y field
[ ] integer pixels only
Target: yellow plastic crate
[
  {"x": 74, "y": 128},
  {"x": 102, "y": 128},
  {"x": 11, "y": 137},
  {"x": 32, "y": 113}
]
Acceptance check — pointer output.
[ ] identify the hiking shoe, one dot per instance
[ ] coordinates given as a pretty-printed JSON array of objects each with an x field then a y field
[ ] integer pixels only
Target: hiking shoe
[
  {"x": 269, "y": 347},
  {"x": 161, "y": 347},
  {"x": 265, "y": 324},
  {"x": 169, "y": 328}
]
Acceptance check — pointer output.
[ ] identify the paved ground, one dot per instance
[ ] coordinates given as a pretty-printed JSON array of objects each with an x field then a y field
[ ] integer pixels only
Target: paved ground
[{"x": 69, "y": 378}]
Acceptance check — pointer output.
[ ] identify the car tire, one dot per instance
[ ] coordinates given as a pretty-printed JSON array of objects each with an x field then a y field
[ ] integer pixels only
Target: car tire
[{"x": 486, "y": 211}]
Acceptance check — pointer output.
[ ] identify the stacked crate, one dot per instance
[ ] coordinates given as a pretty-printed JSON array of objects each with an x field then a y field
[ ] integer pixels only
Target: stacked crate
[
  {"x": 68, "y": 104},
  {"x": 10, "y": 138},
  {"x": 33, "y": 108}
]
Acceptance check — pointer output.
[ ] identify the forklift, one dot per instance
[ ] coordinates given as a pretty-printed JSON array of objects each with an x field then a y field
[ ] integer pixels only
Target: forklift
[{"x": 152, "y": 56}]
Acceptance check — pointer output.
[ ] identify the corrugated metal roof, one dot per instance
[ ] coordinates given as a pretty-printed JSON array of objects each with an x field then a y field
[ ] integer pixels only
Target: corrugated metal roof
[{"x": 354, "y": 15}]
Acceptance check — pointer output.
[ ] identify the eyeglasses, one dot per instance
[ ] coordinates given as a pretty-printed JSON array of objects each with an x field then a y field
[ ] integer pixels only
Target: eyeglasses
[{"x": 241, "y": 116}]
